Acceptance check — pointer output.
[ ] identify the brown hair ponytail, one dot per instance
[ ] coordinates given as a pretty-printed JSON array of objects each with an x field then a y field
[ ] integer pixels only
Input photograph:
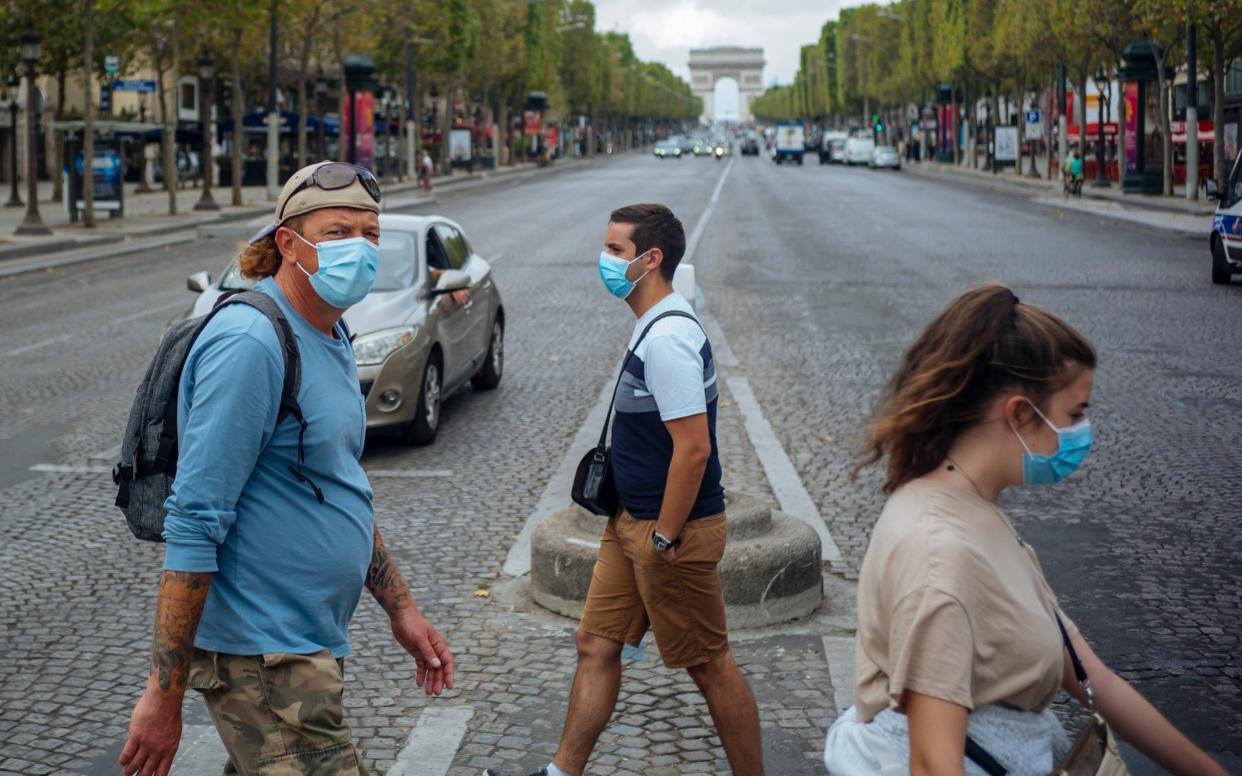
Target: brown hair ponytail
[{"x": 984, "y": 343}]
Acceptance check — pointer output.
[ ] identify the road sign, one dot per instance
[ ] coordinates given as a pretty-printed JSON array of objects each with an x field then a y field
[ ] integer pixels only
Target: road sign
[
  {"x": 112, "y": 64},
  {"x": 1032, "y": 117},
  {"x": 134, "y": 86},
  {"x": 105, "y": 101}
]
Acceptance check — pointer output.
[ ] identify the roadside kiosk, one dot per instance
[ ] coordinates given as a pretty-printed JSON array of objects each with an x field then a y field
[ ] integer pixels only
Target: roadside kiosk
[{"x": 1143, "y": 172}]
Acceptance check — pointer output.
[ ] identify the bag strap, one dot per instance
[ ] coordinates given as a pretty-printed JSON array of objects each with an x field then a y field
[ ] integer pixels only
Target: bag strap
[
  {"x": 603, "y": 435},
  {"x": 980, "y": 756}
]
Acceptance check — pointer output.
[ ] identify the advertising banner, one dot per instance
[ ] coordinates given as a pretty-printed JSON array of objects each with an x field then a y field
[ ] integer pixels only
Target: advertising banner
[
  {"x": 364, "y": 119},
  {"x": 459, "y": 145},
  {"x": 1132, "y": 163}
]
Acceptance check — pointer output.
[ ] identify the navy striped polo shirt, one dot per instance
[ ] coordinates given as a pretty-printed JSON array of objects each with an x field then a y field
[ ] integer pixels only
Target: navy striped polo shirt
[{"x": 670, "y": 376}]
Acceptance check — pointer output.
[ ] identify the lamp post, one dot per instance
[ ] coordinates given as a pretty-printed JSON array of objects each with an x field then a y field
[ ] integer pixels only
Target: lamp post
[
  {"x": 1101, "y": 174},
  {"x": 273, "y": 114},
  {"x": 31, "y": 50},
  {"x": 206, "y": 77},
  {"x": 12, "y": 95}
]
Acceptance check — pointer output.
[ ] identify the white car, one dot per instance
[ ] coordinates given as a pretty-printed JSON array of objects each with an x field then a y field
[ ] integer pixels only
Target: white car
[
  {"x": 413, "y": 342},
  {"x": 885, "y": 156},
  {"x": 1226, "y": 239},
  {"x": 858, "y": 150}
]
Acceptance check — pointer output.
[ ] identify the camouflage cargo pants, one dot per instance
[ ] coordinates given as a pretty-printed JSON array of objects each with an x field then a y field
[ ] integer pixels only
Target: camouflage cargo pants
[{"x": 278, "y": 714}]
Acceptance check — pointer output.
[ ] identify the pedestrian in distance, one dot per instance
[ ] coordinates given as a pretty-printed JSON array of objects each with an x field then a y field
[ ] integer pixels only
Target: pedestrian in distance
[
  {"x": 426, "y": 169},
  {"x": 959, "y": 632},
  {"x": 270, "y": 526},
  {"x": 657, "y": 563}
]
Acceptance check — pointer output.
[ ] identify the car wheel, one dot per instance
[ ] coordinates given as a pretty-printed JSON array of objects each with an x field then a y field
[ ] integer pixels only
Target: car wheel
[
  {"x": 488, "y": 377},
  {"x": 422, "y": 429},
  {"x": 1221, "y": 271}
]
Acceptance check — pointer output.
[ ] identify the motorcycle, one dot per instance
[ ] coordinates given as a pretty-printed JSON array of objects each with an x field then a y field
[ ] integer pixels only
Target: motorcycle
[{"x": 1072, "y": 185}]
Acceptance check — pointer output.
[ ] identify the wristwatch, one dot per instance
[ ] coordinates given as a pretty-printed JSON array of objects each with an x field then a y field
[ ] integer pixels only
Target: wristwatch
[{"x": 662, "y": 542}]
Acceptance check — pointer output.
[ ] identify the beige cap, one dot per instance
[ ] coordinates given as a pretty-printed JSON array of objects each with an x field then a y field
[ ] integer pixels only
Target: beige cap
[{"x": 298, "y": 198}]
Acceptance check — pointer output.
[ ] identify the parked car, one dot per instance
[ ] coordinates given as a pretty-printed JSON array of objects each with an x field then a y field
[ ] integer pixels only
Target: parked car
[
  {"x": 858, "y": 150},
  {"x": 1226, "y": 238},
  {"x": 667, "y": 149},
  {"x": 885, "y": 156},
  {"x": 414, "y": 344}
]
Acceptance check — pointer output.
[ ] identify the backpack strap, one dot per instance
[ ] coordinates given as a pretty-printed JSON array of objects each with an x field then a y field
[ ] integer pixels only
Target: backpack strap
[
  {"x": 603, "y": 435},
  {"x": 166, "y": 456}
]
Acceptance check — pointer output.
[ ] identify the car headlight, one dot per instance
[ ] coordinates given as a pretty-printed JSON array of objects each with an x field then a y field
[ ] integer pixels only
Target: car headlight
[{"x": 373, "y": 349}]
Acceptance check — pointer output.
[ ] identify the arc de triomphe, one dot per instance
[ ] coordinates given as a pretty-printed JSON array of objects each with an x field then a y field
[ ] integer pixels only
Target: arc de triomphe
[{"x": 744, "y": 65}]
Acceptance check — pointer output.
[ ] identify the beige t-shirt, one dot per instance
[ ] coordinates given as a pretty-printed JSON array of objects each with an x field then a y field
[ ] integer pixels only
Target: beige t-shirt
[{"x": 951, "y": 604}]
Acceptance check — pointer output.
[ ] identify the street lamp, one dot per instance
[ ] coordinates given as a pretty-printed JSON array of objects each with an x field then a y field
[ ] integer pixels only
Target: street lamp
[
  {"x": 31, "y": 50},
  {"x": 206, "y": 78},
  {"x": 321, "y": 89},
  {"x": 1101, "y": 174},
  {"x": 14, "y": 90}
]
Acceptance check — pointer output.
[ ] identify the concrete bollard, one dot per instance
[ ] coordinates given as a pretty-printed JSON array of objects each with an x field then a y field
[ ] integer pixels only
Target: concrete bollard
[{"x": 771, "y": 570}]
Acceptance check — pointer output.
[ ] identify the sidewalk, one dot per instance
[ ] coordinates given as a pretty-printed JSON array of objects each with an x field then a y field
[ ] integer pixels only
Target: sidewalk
[
  {"x": 1161, "y": 212},
  {"x": 146, "y": 223}
]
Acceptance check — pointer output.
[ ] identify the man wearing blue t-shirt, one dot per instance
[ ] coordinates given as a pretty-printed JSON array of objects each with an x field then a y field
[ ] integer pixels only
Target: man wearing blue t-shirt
[
  {"x": 657, "y": 560},
  {"x": 270, "y": 526}
]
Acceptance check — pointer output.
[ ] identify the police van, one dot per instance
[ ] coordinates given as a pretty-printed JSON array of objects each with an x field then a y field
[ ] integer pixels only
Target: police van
[{"x": 1227, "y": 225}]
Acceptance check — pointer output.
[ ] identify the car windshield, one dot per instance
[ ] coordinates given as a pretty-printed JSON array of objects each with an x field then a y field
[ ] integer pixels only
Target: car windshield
[{"x": 396, "y": 268}]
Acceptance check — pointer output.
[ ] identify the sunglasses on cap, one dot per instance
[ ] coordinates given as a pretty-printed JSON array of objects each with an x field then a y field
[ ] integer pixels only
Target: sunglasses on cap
[{"x": 334, "y": 176}]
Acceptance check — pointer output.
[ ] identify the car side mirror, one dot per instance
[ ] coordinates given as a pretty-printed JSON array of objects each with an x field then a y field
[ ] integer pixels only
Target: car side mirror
[
  {"x": 198, "y": 282},
  {"x": 450, "y": 280},
  {"x": 1212, "y": 191}
]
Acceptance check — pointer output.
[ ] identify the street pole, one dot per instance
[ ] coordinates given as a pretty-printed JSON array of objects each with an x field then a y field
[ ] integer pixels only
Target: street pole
[
  {"x": 1101, "y": 163},
  {"x": 1192, "y": 118},
  {"x": 206, "y": 75},
  {"x": 32, "y": 224},
  {"x": 1062, "y": 124},
  {"x": 273, "y": 118},
  {"x": 14, "y": 83}
]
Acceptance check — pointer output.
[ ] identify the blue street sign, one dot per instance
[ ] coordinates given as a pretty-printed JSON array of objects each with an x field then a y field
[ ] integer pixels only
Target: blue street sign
[
  {"x": 134, "y": 86},
  {"x": 105, "y": 100},
  {"x": 1032, "y": 117}
]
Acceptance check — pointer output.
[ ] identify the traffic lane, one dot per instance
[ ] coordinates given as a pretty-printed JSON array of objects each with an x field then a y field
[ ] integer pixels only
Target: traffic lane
[{"x": 823, "y": 276}]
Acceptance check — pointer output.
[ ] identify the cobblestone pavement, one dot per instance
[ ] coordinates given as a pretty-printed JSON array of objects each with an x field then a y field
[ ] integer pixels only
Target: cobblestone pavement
[{"x": 818, "y": 276}]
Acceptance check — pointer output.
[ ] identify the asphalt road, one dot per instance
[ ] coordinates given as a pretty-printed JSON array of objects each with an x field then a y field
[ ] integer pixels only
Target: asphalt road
[{"x": 819, "y": 276}]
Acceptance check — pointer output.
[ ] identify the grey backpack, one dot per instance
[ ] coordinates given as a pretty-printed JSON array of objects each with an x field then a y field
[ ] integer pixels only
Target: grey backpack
[{"x": 148, "y": 465}]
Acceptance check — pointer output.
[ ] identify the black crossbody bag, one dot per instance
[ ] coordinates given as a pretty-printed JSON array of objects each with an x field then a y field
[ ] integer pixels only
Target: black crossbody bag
[{"x": 594, "y": 489}]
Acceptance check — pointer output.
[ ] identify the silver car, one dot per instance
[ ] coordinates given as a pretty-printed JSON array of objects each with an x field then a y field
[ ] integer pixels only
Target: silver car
[
  {"x": 415, "y": 344},
  {"x": 885, "y": 156}
]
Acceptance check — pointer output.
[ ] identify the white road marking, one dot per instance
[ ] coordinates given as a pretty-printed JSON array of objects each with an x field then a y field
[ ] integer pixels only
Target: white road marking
[
  {"x": 839, "y": 652},
  {"x": 693, "y": 243},
  {"x": 581, "y": 542},
  {"x": 201, "y": 753},
  {"x": 69, "y": 468},
  {"x": 786, "y": 484},
  {"x": 154, "y": 311},
  {"x": 555, "y": 496},
  {"x": 432, "y": 745},
  {"x": 495, "y": 257},
  {"x": 721, "y": 352},
  {"x": 40, "y": 344},
  {"x": 410, "y": 474}
]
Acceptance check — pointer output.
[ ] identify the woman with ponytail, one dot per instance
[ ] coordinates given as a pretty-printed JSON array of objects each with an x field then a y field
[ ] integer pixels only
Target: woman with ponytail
[{"x": 959, "y": 635}]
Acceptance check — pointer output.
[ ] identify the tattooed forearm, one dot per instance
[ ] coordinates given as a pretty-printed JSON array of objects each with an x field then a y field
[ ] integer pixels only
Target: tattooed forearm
[
  {"x": 180, "y": 606},
  {"x": 385, "y": 581}
]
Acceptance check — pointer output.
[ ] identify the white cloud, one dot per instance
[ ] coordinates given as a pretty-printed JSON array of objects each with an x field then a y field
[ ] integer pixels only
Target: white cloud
[{"x": 665, "y": 31}]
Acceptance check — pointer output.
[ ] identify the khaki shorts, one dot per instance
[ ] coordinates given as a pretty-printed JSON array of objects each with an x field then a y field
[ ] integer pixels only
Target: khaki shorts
[
  {"x": 633, "y": 588},
  {"x": 278, "y": 714}
]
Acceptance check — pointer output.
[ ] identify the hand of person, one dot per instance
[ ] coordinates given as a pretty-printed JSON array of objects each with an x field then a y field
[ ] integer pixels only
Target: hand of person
[
  {"x": 154, "y": 734},
  {"x": 668, "y": 555},
  {"x": 431, "y": 653},
  {"x": 461, "y": 296}
]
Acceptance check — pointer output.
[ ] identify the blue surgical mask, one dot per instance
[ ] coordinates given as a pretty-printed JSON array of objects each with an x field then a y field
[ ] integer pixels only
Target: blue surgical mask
[
  {"x": 1073, "y": 444},
  {"x": 346, "y": 270},
  {"x": 612, "y": 271}
]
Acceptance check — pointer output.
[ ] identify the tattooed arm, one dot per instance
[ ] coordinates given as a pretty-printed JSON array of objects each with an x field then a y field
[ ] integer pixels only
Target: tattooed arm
[
  {"x": 155, "y": 728},
  {"x": 412, "y": 631}
]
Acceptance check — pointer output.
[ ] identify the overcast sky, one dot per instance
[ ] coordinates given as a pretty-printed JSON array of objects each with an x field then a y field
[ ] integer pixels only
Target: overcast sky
[{"x": 666, "y": 30}]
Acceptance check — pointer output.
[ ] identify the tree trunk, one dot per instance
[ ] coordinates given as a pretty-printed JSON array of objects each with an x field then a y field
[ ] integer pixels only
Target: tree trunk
[
  {"x": 446, "y": 124},
  {"x": 1166, "y": 141},
  {"x": 88, "y": 111},
  {"x": 1020, "y": 98},
  {"x": 1218, "y": 106},
  {"x": 238, "y": 112},
  {"x": 303, "y": 113},
  {"x": 1122, "y": 107},
  {"x": 170, "y": 117},
  {"x": 57, "y": 148},
  {"x": 952, "y": 129}
]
